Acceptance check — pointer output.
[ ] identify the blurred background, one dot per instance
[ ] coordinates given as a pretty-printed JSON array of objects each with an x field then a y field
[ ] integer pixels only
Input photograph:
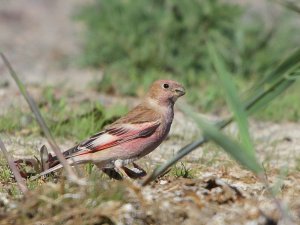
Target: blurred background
[{"x": 120, "y": 47}]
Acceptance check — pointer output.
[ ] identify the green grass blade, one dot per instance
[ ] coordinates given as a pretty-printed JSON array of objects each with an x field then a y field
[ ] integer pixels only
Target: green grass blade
[
  {"x": 275, "y": 76},
  {"x": 268, "y": 96},
  {"x": 234, "y": 149},
  {"x": 232, "y": 98}
]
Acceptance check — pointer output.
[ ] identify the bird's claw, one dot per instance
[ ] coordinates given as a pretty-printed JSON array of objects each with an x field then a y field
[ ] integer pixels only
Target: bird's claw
[
  {"x": 136, "y": 172},
  {"x": 112, "y": 173},
  {"x": 133, "y": 173}
]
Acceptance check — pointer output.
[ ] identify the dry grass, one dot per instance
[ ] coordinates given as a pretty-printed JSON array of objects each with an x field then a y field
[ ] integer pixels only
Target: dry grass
[{"x": 215, "y": 195}]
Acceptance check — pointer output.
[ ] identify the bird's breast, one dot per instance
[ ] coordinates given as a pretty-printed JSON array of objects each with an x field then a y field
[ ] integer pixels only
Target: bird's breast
[
  {"x": 140, "y": 147},
  {"x": 166, "y": 123}
]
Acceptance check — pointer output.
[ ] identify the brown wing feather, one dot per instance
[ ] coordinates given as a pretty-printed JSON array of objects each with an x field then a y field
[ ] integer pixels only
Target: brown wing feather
[{"x": 140, "y": 114}]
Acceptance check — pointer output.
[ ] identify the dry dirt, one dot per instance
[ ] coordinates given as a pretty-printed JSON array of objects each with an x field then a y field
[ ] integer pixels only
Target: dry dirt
[{"x": 39, "y": 38}]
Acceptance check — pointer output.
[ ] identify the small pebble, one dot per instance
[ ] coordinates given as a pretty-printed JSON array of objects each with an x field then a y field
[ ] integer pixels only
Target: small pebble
[{"x": 163, "y": 182}]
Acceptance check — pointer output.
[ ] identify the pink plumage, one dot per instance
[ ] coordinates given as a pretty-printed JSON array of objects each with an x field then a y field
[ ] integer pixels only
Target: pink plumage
[{"x": 131, "y": 137}]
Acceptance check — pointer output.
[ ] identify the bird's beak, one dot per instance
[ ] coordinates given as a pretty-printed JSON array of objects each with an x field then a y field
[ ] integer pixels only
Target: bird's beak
[{"x": 179, "y": 91}]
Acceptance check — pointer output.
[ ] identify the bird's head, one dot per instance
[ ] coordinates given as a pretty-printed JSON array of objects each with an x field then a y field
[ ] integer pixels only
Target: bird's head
[{"x": 166, "y": 91}]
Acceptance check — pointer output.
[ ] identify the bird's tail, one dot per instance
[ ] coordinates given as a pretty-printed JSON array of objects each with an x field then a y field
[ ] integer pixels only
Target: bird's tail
[
  {"x": 48, "y": 160},
  {"x": 50, "y": 163}
]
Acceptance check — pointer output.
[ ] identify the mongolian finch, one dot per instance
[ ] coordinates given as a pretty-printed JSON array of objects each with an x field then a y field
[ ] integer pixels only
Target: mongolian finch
[{"x": 131, "y": 137}]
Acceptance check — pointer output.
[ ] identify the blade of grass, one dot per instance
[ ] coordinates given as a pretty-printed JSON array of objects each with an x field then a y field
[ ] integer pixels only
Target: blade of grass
[
  {"x": 20, "y": 181},
  {"x": 264, "y": 99},
  {"x": 233, "y": 148},
  {"x": 275, "y": 76},
  {"x": 283, "y": 76},
  {"x": 70, "y": 173},
  {"x": 232, "y": 98},
  {"x": 267, "y": 91}
]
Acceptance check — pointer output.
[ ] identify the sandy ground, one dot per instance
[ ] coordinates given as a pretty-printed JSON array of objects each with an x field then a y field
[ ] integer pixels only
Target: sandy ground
[{"x": 40, "y": 40}]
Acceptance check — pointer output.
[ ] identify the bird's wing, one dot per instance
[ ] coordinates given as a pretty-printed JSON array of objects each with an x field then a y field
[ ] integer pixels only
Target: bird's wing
[
  {"x": 117, "y": 135},
  {"x": 138, "y": 123}
]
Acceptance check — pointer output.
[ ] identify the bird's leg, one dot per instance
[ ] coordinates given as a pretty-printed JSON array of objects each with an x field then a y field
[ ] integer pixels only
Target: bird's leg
[
  {"x": 112, "y": 173},
  {"x": 126, "y": 178},
  {"x": 141, "y": 171},
  {"x": 136, "y": 172},
  {"x": 115, "y": 173},
  {"x": 121, "y": 168}
]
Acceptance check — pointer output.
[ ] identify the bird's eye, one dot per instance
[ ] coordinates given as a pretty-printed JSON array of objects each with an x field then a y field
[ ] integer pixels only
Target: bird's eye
[{"x": 166, "y": 86}]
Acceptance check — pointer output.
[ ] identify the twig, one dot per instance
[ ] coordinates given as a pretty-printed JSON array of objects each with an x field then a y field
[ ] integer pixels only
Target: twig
[
  {"x": 22, "y": 185},
  {"x": 70, "y": 173}
]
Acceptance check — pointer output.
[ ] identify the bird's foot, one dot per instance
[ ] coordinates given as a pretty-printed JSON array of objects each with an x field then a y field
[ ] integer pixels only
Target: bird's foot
[
  {"x": 136, "y": 172},
  {"x": 112, "y": 173}
]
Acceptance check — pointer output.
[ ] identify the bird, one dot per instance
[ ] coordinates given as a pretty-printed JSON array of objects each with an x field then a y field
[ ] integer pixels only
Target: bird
[{"x": 129, "y": 138}]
